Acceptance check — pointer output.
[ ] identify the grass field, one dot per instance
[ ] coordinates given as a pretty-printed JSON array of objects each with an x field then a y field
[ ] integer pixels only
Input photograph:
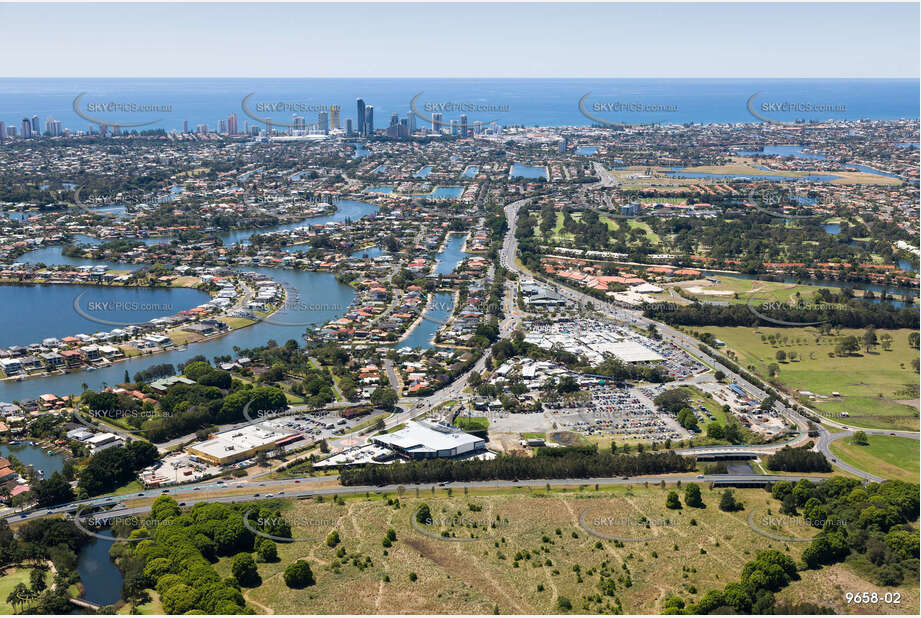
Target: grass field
[
  {"x": 131, "y": 487},
  {"x": 151, "y": 608},
  {"x": 744, "y": 167},
  {"x": 472, "y": 423},
  {"x": 236, "y": 322},
  {"x": 479, "y": 576},
  {"x": 890, "y": 457},
  {"x": 8, "y": 581},
  {"x": 652, "y": 236},
  {"x": 557, "y": 234},
  {"x": 871, "y": 385},
  {"x": 744, "y": 289}
]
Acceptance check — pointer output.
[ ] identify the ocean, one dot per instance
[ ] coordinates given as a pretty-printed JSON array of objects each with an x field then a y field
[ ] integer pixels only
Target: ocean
[{"x": 168, "y": 103}]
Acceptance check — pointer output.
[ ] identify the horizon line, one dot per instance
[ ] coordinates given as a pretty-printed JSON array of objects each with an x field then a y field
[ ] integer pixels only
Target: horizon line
[{"x": 914, "y": 78}]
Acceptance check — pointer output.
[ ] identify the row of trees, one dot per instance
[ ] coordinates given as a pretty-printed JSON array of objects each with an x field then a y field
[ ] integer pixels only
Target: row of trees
[
  {"x": 565, "y": 464},
  {"x": 856, "y": 314}
]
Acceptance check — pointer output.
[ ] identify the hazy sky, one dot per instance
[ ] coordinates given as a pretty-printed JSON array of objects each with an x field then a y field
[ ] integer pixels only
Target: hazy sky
[{"x": 460, "y": 40}]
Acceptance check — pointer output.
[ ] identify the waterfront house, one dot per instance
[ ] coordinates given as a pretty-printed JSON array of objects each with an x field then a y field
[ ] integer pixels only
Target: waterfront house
[
  {"x": 9, "y": 409},
  {"x": 29, "y": 404},
  {"x": 30, "y": 363},
  {"x": 91, "y": 353},
  {"x": 10, "y": 366},
  {"x": 72, "y": 358},
  {"x": 110, "y": 351},
  {"x": 163, "y": 384},
  {"x": 52, "y": 360}
]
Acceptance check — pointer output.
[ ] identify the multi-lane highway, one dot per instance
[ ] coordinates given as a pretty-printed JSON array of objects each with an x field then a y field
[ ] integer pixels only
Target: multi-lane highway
[{"x": 290, "y": 488}]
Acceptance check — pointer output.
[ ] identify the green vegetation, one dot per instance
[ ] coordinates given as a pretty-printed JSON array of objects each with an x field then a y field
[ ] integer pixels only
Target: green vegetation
[
  {"x": 113, "y": 467},
  {"x": 538, "y": 539},
  {"x": 568, "y": 462},
  {"x": 872, "y": 385},
  {"x": 890, "y": 457},
  {"x": 800, "y": 459},
  {"x": 177, "y": 558},
  {"x": 472, "y": 423},
  {"x": 299, "y": 575},
  {"x": 36, "y": 542}
]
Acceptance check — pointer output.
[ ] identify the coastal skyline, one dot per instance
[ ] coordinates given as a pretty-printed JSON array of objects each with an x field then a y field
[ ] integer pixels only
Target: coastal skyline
[
  {"x": 188, "y": 105},
  {"x": 822, "y": 40}
]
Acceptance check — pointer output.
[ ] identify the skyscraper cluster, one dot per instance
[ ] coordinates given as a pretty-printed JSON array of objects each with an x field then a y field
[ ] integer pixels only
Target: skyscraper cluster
[{"x": 365, "y": 116}]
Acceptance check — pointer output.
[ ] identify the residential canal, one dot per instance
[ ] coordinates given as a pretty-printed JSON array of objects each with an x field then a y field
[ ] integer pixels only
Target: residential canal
[
  {"x": 34, "y": 456},
  {"x": 345, "y": 209},
  {"x": 435, "y": 317},
  {"x": 313, "y": 299},
  {"x": 441, "y": 308},
  {"x": 452, "y": 255}
]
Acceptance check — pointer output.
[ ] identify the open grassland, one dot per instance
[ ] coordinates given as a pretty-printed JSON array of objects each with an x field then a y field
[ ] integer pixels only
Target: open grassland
[
  {"x": 890, "y": 457},
  {"x": 558, "y": 234},
  {"x": 871, "y": 385},
  {"x": 521, "y": 552},
  {"x": 643, "y": 177}
]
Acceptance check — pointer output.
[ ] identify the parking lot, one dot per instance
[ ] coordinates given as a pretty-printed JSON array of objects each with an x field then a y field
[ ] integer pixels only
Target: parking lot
[{"x": 618, "y": 414}]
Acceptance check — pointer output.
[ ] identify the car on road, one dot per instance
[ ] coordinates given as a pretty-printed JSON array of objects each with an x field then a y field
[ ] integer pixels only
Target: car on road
[
  {"x": 141, "y": 494},
  {"x": 270, "y": 495},
  {"x": 255, "y": 495},
  {"x": 700, "y": 476}
]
